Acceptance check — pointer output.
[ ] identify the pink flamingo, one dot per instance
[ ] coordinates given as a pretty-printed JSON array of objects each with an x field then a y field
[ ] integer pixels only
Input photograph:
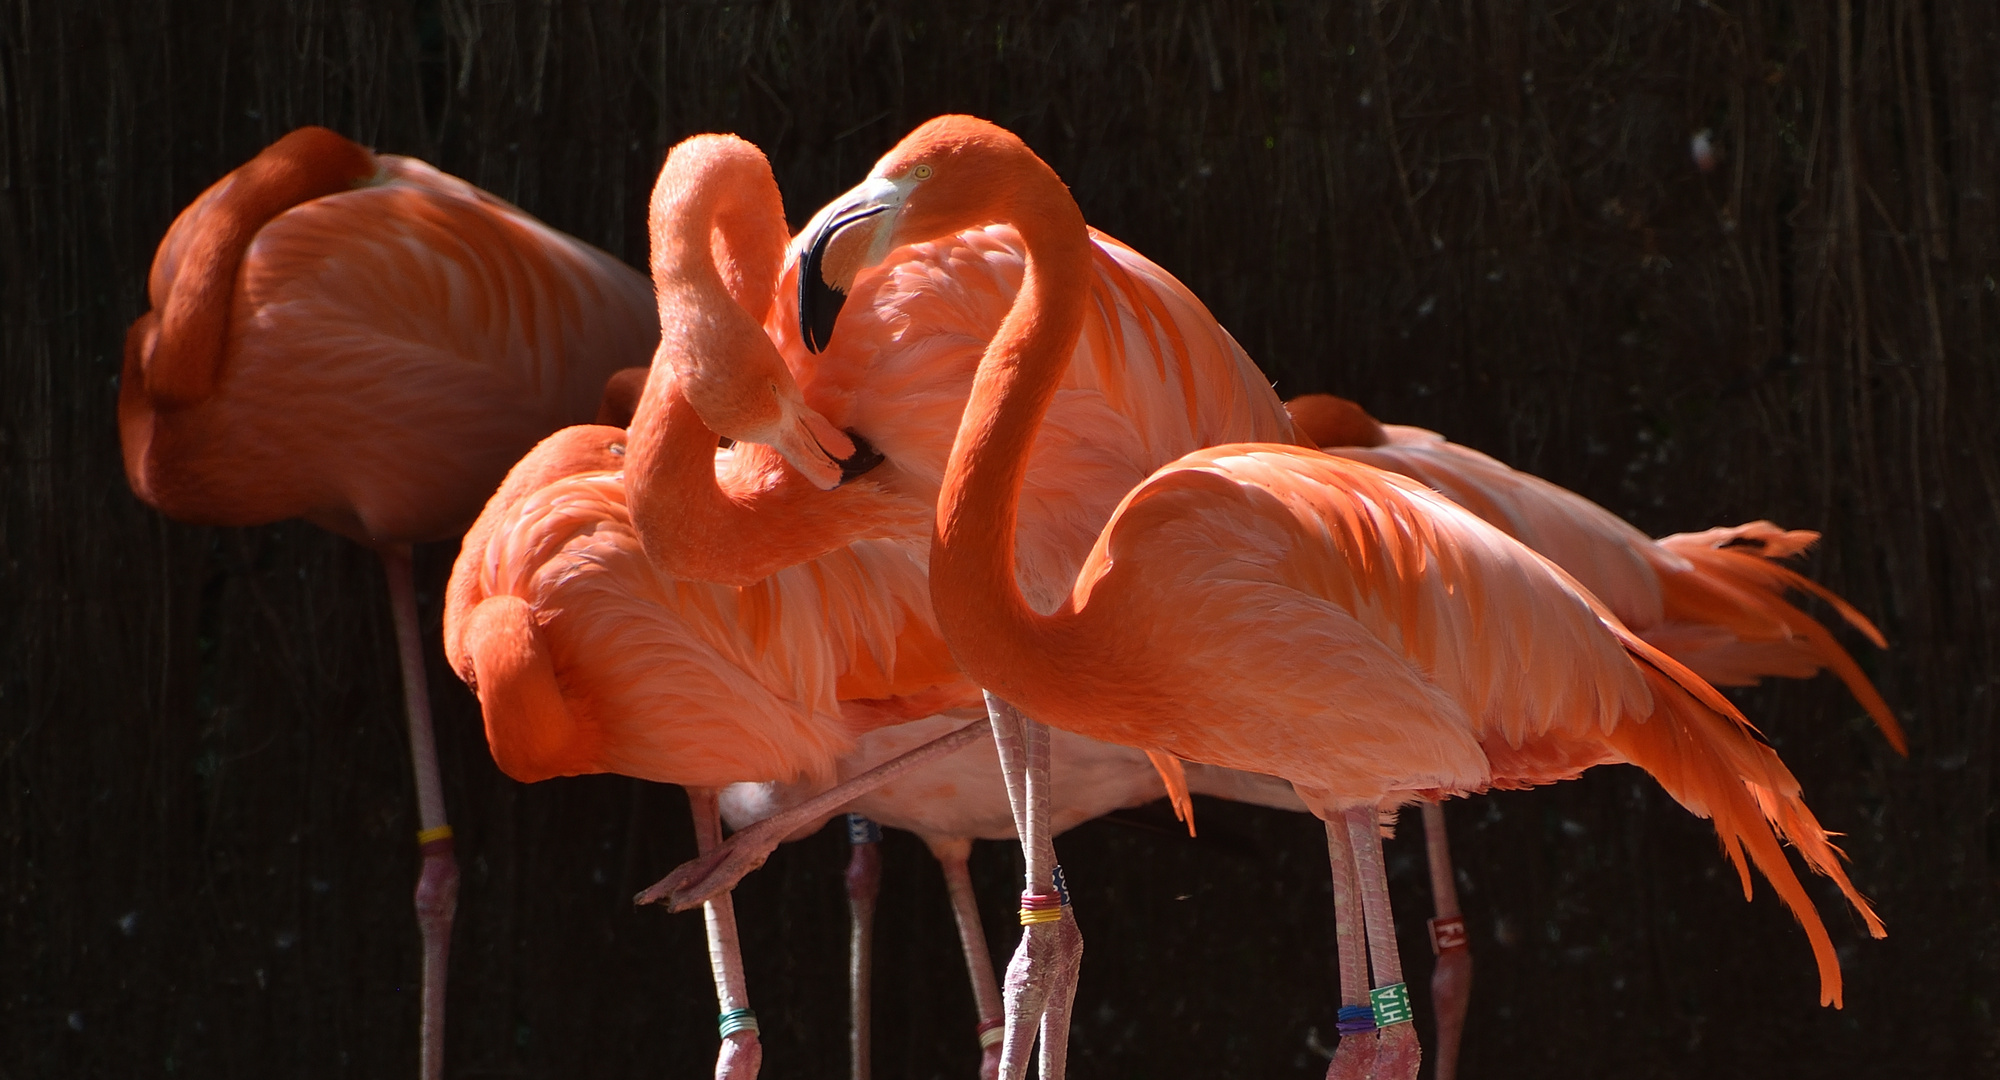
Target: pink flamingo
[
  {"x": 585, "y": 660},
  {"x": 1715, "y": 601},
  {"x": 1276, "y": 610},
  {"x": 362, "y": 341}
]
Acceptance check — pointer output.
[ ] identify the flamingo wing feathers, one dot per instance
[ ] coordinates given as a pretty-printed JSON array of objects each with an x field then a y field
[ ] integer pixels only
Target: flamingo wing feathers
[
  {"x": 1713, "y": 600},
  {"x": 1464, "y": 632}
]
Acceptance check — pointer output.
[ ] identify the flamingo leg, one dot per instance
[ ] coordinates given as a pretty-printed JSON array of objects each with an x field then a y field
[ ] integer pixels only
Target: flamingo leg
[
  {"x": 741, "y": 1053},
  {"x": 1040, "y": 986},
  {"x": 1354, "y": 1058},
  {"x": 705, "y": 876},
  {"x": 1397, "y": 1054},
  {"x": 1451, "y": 979},
  {"x": 951, "y": 853},
  {"x": 437, "y": 882},
  {"x": 864, "y": 883}
]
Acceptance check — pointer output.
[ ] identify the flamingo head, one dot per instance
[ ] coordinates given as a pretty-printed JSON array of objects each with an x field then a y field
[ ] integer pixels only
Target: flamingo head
[
  {"x": 750, "y": 396},
  {"x": 951, "y": 174},
  {"x": 718, "y": 231}
]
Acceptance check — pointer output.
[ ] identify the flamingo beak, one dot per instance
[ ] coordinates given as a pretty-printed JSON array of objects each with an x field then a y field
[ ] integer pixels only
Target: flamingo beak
[
  {"x": 821, "y": 452},
  {"x": 846, "y": 237}
]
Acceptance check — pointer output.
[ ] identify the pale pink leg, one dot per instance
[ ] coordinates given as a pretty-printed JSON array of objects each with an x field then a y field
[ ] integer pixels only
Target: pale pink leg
[
  {"x": 1041, "y": 978},
  {"x": 741, "y": 1053},
  {"x": 1397, "y": 1055},
  {"x": 437, "y": 883},
  {"x": 705, "y": 876},
  {"x": 864, "y": 882},
  {"x": 951, "y": 853},
  {"x": 1451, "y": 979},
  {"x": 1354, "y": 1058}
]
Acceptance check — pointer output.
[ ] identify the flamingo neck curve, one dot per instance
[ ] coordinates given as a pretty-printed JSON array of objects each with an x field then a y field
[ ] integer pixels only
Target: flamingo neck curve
[
  {"x": 719, "y": 234},
  {"x": 998, "y": 638}
]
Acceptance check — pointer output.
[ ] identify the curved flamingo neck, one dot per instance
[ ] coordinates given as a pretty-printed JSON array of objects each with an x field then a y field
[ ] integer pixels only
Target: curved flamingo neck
[
  {"x": 973, "y": 586},
  {"x": 181, "y": 360},
  {"x": 718, "y": 241}
]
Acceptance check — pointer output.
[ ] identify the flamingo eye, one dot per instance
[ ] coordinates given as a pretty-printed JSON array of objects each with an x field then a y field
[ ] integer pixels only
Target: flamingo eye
[{"x": 921, "y": 172}]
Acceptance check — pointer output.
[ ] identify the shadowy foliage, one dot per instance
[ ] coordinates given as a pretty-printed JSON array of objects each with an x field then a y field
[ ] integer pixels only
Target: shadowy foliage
[{"x": 1483, "y": 217}]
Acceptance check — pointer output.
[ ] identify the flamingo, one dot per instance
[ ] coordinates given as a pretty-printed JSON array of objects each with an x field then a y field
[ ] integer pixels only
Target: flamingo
[
  {"x": 1714, "y": 600},
  {"x": 1154, "y": 377},
  {"x": 362, "y": 341},
  {"x": 854, "y": 621},
  {"x": 1273, "y": 609},
  {"x": 585, "y": 660}
]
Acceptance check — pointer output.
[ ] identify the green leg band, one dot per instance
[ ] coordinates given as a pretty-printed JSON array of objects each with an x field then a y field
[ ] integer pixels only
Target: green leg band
[{"x": 1392, "y": 1004}]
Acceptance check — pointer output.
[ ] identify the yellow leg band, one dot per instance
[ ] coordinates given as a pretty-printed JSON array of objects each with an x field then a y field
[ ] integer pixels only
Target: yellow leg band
[{"x": 442, "y": 832}]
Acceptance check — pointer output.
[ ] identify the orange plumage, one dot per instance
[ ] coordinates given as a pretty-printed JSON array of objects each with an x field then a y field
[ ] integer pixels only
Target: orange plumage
[
  {"x": 362, "y": 341},
  {"x": 1714, "y": 600},
  {"x": 365, "y": 342},
  {"x": 1273, "y": 609}
]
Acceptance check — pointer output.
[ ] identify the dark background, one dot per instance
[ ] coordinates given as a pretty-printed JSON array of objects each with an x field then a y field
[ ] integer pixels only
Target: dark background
[{"x": 1476, "y": 215}]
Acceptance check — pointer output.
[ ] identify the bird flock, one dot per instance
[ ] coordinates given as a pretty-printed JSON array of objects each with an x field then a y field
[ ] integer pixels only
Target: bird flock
[{"x": 950, "y": 513}]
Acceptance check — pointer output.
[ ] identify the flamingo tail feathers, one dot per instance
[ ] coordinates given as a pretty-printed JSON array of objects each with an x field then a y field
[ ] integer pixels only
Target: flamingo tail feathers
[
  {"x": 1175, "y": 777},
  {"x": 1712, "y": 763},
  {"x": 1736, "y": 585}
]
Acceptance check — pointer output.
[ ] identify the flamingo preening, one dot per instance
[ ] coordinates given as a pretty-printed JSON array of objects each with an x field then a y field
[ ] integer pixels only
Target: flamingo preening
[
  {"x": 362, "y": 341},
  {"x": 1273, "y": 609},
  {"x": 585, "y": 660},
  {"x": 1714, "y": 600}
]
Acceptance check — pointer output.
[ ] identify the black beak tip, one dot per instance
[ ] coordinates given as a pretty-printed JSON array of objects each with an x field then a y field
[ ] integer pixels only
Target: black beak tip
[
  {"x": 819, "y": 307},
  {"x": 819, "y": 303},
  {"x": 864, "y": 458}
]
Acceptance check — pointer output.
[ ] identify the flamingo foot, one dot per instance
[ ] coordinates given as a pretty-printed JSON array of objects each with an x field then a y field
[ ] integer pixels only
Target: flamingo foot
[
  {"x": 1353, "y": 1059},
  {"x": 1062, "y": 997},
  {"x": 716, "y": 871},
  {"x": 437, "y": 903},
  {"x": 1038, "y": 990}
]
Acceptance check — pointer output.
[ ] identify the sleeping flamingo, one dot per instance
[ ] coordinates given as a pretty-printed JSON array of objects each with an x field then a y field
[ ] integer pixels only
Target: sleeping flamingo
[
  {"x": 1277, "y": 610},
  {"x": 365, "y": 342},
  {"x": 585, "y": 660},
  {"x": 1715, "y": 601}
]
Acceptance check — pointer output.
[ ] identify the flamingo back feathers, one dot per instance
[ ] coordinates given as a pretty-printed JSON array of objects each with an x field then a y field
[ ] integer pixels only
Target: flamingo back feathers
[
  {"x": 675, "y": 681},
  {"x": 387, "y": 351},
  {"x": 192, "y": 283}
]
